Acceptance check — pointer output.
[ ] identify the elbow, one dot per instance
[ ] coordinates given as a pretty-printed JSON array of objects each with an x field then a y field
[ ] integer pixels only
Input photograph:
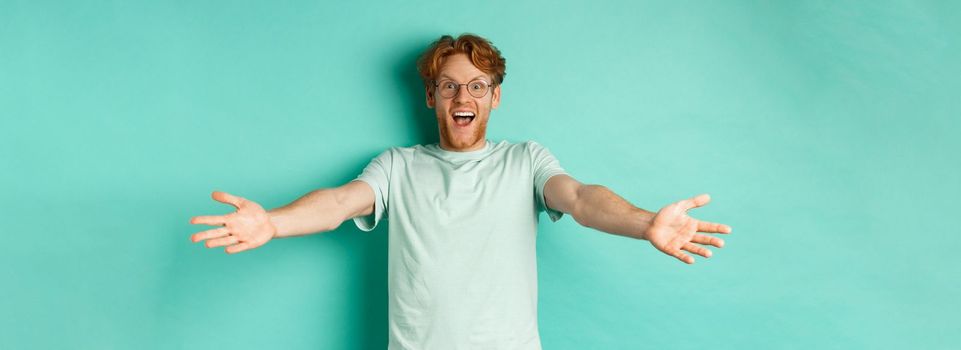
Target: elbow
[
  {"x": 330, "y": 226},
  {"x": 582, "y": 210},
  {"x": 581, "y": 220},
  {"x": 333, "y": 209}
]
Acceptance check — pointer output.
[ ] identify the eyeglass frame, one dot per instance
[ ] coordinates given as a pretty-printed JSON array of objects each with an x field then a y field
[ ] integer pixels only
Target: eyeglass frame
[{"x": 490, "y": 87}]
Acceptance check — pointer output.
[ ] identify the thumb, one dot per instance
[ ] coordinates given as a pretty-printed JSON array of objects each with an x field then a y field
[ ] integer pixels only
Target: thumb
[{"x": 227, "y": 198}]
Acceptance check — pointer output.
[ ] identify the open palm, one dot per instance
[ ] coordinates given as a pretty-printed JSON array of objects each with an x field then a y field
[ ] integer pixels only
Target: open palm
[
  {"x": 672, "y": 230},
  {"x": 247, "y": 228}
]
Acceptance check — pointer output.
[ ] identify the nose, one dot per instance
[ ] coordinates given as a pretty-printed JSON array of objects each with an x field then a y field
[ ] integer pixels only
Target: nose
[{"x": 461, "y": 94}]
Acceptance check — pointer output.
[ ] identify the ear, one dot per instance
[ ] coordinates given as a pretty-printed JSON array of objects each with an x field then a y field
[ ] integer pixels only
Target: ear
[
  {"x": 496, "y": 96},
  {"x": 430, "y": 97}
]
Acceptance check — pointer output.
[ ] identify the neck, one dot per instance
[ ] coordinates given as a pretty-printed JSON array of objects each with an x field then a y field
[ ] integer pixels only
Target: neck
[{"x": 476, "y": 146}]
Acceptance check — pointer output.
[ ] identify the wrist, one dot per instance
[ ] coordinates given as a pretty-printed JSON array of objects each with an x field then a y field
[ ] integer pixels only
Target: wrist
[
  {"x": 273, "y": 225},
  {"x": 645, "y": 220}
]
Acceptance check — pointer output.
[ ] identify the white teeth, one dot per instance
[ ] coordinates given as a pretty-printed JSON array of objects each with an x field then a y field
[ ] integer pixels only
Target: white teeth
[{"x": 463, "y": 114}]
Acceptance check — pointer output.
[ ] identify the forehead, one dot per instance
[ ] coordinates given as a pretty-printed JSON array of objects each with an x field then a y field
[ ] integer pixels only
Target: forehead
[{"x": 459, "y": 67}]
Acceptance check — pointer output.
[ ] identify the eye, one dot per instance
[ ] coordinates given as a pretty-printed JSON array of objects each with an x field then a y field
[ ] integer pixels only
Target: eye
[
  {"x": 477, "y": 85},
  {"x": 448, "y": 85}
]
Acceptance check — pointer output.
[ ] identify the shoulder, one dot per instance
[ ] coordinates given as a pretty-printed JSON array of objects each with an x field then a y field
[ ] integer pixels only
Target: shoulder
[
  {"x": 399, "y": 151},
  {"x": 536, "y": 149},
  {"x": 533, "y": 145},
  {"x": 529, "y": 149}
]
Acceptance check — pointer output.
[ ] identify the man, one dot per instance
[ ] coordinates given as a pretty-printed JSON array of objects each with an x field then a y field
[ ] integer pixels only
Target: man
[{"x": 462, "y": 215}]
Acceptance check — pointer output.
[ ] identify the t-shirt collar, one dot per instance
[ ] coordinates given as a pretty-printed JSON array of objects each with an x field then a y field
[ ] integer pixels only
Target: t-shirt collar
[{"x": 452, "y": 155}]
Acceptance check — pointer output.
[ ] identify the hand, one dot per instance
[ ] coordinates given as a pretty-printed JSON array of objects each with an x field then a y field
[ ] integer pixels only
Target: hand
[
  {"x": 247, "y": 228},
  {"x": 672, "y": 230}
]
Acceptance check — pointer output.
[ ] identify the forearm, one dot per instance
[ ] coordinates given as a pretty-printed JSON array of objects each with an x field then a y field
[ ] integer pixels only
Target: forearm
[
  {"x": 601, "y": 209},
  {"x": 317, "y": 211}
]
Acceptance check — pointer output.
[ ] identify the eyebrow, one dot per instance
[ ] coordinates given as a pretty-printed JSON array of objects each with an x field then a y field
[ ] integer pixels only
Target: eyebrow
[{"x": 472, "y": 79}]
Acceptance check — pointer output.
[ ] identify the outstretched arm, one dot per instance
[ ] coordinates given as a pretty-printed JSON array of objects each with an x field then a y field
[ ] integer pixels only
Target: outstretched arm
[
  {"x": 323, "y": 210},
  {"x": 670, "y": 230},
  {"x": 251, "y": 226}
]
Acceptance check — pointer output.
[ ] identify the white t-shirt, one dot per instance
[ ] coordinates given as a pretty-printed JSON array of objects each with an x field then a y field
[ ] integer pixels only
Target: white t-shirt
[{"x": 462, "y": 270}]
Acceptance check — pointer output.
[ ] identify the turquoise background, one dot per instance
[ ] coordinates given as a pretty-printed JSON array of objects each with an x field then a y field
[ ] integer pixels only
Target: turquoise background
[{"x": 826, "y": 132}]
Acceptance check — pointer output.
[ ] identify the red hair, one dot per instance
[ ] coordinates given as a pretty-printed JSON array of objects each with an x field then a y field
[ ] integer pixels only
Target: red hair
[{"x": 480, "y": 51}]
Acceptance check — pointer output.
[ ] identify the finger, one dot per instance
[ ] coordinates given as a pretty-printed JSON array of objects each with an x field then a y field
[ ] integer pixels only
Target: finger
[
  {"x": 220, "y": 242},
  {"x": 696, "y": 249},
  {"x": 214, "y": 220},
  {"x": 214, "y": 233},
  {"x": 228, "y": 198},
  {"x": 708, "y": 240},
  {"x": 237, "y": 248},
  {"x": 696, "y": 201},
  {"x": 683, "y": 257},
  {"x": 705, "y": 226}
]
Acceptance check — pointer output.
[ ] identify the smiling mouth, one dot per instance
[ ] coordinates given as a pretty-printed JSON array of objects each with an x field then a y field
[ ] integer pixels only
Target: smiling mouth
[{"x": 463, "y": 118}]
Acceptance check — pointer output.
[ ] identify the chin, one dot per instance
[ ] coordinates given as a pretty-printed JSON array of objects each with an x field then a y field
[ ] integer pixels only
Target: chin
[{"x": 461, "y": 140}]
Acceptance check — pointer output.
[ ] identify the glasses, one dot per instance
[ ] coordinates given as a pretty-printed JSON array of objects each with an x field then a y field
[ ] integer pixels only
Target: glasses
[{"x": 449, "y": 88}]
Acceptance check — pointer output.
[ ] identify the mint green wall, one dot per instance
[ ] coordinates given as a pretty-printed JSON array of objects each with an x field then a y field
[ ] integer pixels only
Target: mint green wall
[{"x": 826, "y": 132}]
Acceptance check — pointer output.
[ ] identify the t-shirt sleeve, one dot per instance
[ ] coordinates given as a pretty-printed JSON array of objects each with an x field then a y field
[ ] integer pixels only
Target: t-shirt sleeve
[
  {"x": 544, "y": 166},
  {"x": 377, "y": 175}
]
